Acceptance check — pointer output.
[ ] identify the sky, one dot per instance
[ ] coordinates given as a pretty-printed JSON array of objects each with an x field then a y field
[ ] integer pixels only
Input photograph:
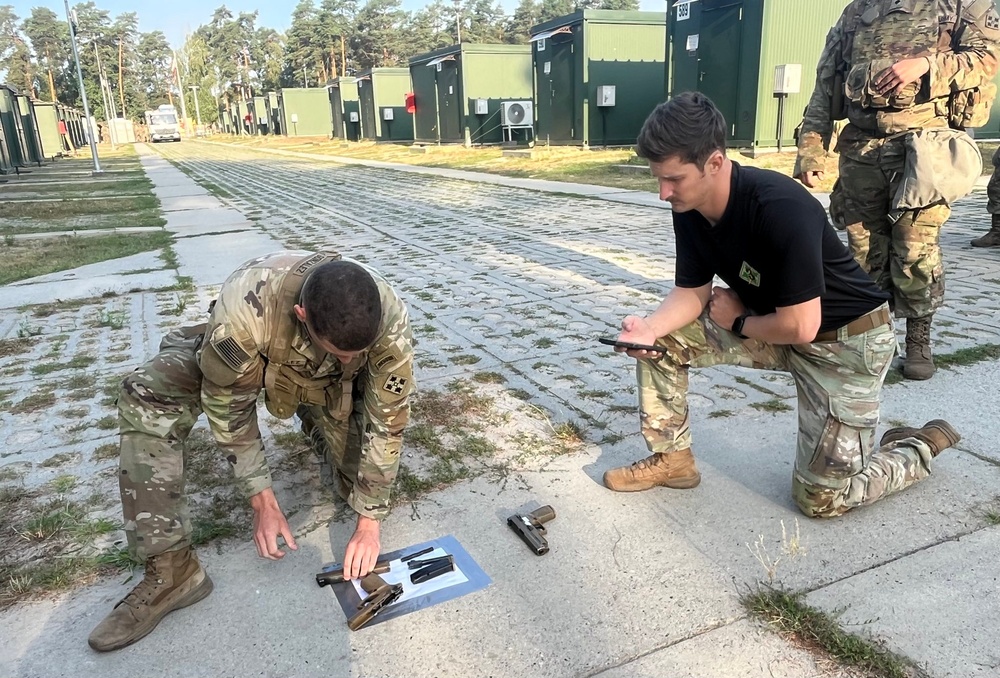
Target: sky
[{"x": 178, "y": 17}]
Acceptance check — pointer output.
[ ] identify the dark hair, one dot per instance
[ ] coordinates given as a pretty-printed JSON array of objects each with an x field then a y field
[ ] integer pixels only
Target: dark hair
[
  {"x": 343, "y": 305},
  {"x": 688, "y": 126}
]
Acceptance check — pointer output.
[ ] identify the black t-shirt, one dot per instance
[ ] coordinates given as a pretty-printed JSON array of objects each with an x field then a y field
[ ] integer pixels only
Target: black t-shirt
[{"x": 774, "y": 247}]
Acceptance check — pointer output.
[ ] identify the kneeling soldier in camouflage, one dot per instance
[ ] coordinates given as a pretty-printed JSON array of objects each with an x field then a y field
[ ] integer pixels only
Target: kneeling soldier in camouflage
[
  {"x": 797, "y": 301},
  {"x": 319, "y": 335}
]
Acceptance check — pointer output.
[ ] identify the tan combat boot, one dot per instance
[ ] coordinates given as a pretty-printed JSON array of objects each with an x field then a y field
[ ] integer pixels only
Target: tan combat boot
[
  {"x": 675, "y": 469},
  {"x": 173, "y": 580},
  {"x": 919, "y": 363},
  {"x": 992, "y": 237},
  {"x": 937, "y": 433}
]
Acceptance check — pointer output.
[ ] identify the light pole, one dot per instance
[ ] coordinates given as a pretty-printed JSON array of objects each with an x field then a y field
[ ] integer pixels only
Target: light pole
[
  {"x": 83, "y": 90},
  {"x": 197, "y": 108}
]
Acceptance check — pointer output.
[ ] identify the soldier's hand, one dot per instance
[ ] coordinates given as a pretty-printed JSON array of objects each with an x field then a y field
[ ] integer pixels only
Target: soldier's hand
[
  {"x": 724, "y": 307},
  {"x": 636, "y": 330},
  {"x": 362, "y": 549},
  {"x": 268, "y": 524},
  {"x": 893, "y": 79},
  {"x": 810, "y": 179}
]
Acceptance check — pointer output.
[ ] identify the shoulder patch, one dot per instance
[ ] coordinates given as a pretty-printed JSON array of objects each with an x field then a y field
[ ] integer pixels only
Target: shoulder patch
[
  {"x": 395, "y": 384},
  {"x": 383, "y": 360},
  {"x": 231, "y": 353}
]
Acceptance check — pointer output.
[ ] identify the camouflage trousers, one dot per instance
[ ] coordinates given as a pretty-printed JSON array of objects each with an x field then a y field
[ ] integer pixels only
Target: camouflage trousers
[
  {"x": 993, "y": 188},
  {"x": 158, "y": 405},
  {"x": 837, "y": 466},
  {"x": 903, "y": 257}
]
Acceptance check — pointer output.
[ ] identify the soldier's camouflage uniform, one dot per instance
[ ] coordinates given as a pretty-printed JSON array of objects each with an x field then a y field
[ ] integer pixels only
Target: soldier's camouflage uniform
[
  {"x": 993, "y": 188},
  {"x": 252, "y": 343},
  {"x": 837, "y": 466},
  {"x": 899, "y": 250}
]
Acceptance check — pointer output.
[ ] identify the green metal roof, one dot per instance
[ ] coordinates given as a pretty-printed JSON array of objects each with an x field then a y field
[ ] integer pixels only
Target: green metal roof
[
  {"x": 605, "y": 16},
  {"x": 470, "y": 48}
]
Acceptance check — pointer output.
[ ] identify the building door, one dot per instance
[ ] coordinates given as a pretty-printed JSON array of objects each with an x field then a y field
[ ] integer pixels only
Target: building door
[
  {"x": 556, "y": 91},
  {"x": 449, "y": 102},
  {"x": 719, "y": 57}
]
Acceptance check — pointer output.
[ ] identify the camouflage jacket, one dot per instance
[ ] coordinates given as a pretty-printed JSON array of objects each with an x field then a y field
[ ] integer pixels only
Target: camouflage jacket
[
  {"x": 872, "y": 35},
  {"x": 238, "y": 362}
]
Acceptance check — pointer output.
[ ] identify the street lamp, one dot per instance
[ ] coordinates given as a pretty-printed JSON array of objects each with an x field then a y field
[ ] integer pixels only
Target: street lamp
[{"x": 83, "y": 90}]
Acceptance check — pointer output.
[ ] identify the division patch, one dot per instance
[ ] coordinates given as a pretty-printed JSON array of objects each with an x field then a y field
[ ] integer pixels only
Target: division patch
[{"x": 395, "y": 384}]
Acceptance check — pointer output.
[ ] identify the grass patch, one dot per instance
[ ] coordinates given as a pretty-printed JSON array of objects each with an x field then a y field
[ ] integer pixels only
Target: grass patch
[
  {"x": 105, "y": 452},
  {"x": 9, "y": 347},
  {"x": 481, "y": 377},
  {"x": 968, "y": 356},
  {"x": 80, "y": 381},
  {"x": 773, "y": 406},
  {"x": 77, "y": 363},
  {"x": 30, "y": 258},
  {"x": 787, "y": 613},
  {"x": 34, "y": 402},
  {"x": 464, "y": 359},
  {"x": 719, "y": 414},
  {"x": 60, "y": 459},
  {"x": 107, "y": 423}
]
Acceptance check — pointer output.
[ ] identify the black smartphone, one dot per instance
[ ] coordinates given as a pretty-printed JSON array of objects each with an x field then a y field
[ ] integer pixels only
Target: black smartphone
[{"x": 629, "y": 346}]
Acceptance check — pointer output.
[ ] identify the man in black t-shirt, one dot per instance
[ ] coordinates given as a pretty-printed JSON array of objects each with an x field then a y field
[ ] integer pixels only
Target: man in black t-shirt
[{"x": 796, "y": 301}]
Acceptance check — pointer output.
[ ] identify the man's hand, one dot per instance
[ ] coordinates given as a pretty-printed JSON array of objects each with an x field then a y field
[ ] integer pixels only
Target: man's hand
[
  {"x": 893, "y": 79},
  {"x": 724, "y": 307},
  {"x": 268, "y": 524},
  {"x": 636, "y": 330},
  {"x": 363, "y": 549},
  {"x": 810, "y": 179}
]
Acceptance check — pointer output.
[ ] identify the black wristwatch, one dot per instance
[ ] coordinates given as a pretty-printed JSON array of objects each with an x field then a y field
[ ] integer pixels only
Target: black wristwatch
[{"x": 738, "y": 326}]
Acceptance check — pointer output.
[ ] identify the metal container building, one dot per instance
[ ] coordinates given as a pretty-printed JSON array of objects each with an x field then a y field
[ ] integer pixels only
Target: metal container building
[
  {"x": 305, "y": 112},
  {"x": 47, "y": 117},
  {"x": 10, "y": 118},
  {"x": 381, "y": 90},
  {"x": 29, "y": 127},
  {"x": 274, "y": 114},
  {"x": 597, "y": 75},
  {"x": 459, "y": 90},
  {"x": 345, "y": 108},
  {"x": 732, "y": 50},
  {"x": 261, "y": 115}
]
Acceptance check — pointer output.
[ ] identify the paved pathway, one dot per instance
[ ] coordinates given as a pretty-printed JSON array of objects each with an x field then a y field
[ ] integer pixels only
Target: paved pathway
[{"x": 507, "y": 279}]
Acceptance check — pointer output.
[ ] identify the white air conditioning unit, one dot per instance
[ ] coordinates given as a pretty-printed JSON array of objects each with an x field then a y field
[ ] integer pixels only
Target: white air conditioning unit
[
  {"x": 517, "y": 114},
  {"x": 353, "y": 116}
]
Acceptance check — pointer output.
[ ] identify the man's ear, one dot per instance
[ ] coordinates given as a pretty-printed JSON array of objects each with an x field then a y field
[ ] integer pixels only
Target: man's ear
[
  {"x": 300, "y": 312},
  {"x": 715, "y": 161}
]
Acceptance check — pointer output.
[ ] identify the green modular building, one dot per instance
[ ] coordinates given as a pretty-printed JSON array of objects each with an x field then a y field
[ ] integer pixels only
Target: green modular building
[
  {"x": 47, "y": 118},
  {"x": 345, "y": 108},
  {"x": 462, "y": 92},
  {"x": 73, "y": 120},
  {"x": 225, "y": 119},
  {"x": 739, "y": 52},
  {"x": 382, "y": 95},
  {"x": 261, "y": 115},
  {"x": 597, "y": 75},
  {"x": 305, "y": 112},
  {"x": 29, "y": 127},
  {"x": 274, "y": 114},
  {"x": 20, "y": 141}
]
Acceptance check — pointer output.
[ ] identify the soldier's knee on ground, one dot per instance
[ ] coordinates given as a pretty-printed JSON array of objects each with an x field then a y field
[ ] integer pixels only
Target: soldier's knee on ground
[{"x": 816, "y": 501}]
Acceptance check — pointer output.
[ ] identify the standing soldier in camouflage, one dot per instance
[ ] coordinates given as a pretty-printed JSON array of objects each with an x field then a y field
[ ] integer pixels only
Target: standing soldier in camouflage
[
  {"x": 909, "y": 76},
  {"x": 796, "y": 302},
  {"x": 316, "y": 333},
  {"x": 992, "y": 237}
]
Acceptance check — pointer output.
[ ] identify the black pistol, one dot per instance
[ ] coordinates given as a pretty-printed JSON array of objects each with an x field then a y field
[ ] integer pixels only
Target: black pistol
[
  {"x": 382, "y": 595},
  {"x": 530, "y": 527},
  {"x": 337, "y": 576}
]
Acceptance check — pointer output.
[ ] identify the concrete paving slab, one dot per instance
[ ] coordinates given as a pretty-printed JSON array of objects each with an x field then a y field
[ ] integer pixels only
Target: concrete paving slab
[
  {"x": 179, "y": 191},
  {"x": 193, "y": 202},
  {"x": 938, "y": 605},
  {"x": 216, "y": 218},
  {"x": 209, "y": 259}
]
